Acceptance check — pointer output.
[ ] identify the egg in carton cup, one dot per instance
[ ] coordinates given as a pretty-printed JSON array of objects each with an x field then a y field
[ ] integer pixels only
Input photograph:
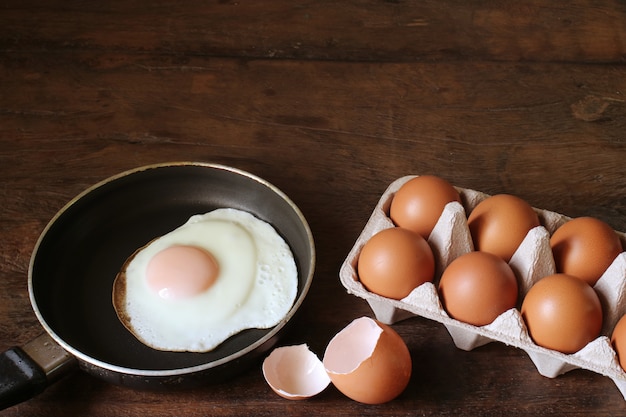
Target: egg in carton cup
[{"x": 532, "y": 261}]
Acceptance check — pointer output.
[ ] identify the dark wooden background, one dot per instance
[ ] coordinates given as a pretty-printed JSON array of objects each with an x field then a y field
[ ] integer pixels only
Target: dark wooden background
[{"x": 330, "y": 101}]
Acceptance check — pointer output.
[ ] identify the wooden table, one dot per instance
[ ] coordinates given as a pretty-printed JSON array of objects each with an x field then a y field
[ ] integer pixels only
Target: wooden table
[{"x": 330, "y": 101}]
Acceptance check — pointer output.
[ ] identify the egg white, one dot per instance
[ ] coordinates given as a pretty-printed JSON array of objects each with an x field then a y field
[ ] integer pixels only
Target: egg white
[{"x": 256, "y": 286}]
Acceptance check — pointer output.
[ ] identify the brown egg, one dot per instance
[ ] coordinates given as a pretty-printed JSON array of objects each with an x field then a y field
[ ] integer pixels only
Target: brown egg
[
  {"x": 562, "y": 313},
  {"x": 477, "y": 287},
  {"x": 368, "y": 362},
  {"x": 395, "y": 261},
  {"x": 500, "y": 223},
  {"x": 418, "y": 204},
  {"x": 585, "y": 247},
  {"x": 618, "y": 340}
]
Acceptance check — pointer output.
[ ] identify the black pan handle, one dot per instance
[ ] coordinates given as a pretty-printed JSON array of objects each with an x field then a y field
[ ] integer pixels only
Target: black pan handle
[{"x": 27, "y": 370}]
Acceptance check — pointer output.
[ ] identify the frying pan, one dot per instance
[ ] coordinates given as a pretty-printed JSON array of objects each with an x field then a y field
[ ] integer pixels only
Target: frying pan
[{"x": 80, "y": 251}]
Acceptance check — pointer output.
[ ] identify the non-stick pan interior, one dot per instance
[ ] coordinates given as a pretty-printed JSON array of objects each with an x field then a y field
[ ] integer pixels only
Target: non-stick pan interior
[{"x": 78, "y": 256}]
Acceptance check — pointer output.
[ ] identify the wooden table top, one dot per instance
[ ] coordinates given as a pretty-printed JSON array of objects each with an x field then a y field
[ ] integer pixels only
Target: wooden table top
[{"x": 331, "y": 102}]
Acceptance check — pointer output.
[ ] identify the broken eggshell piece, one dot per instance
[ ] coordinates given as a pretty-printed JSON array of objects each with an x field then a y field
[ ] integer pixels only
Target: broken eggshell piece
[
  {"x": 368, "y": 362},
  {"x": 294, "y": 372}
]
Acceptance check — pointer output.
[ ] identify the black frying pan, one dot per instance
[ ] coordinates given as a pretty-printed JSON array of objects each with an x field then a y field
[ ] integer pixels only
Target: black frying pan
[{"x": 81, "y": 250}]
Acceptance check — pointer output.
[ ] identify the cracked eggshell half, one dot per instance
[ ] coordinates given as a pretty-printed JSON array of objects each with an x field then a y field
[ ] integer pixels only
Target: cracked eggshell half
[
  {"x": 368, "y": 362},
  {"x": 295, "y": 372}
]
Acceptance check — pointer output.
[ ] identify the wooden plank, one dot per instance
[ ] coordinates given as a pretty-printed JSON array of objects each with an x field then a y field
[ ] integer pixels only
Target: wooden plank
[
  {"x": 513, "y": 120},
  {"x": 356, "y": 30}
]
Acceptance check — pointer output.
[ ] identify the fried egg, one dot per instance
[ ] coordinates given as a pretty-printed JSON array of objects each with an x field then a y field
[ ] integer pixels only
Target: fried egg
[{"x": 218, "y": 274}]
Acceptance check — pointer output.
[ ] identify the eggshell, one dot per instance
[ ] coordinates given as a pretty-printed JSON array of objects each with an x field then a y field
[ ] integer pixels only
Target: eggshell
[
  {"x": 368, "y": 362},
  {"x": 562, "y": 313},
  {"x": 499, "y": 223},
  {"x": 477, "y": 287},
  {"x": 585, "y": 247},
  {"x": 294, "y": 372},
  {"x": 531, "y": 261},
  {"x": 618, "y": 341},
  {"x": 418, "y": 204},
  {"x": 394, "y": 262}
]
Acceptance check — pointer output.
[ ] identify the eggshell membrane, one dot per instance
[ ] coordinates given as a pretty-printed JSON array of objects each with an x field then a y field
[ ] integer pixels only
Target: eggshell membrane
[
  {"x": 585, "y": 247},
  {"x": 295, "y": 372},
  {"x": 477, "y": 287},
  {"x": 395, "y": 261},
  {"x": 499, "y": 223},
  {"x": 562, "y": 313},
  {"x": 368, "y": 362},
  {"x": 531, "y": 261},
  {"x": 418, "y": 204}
]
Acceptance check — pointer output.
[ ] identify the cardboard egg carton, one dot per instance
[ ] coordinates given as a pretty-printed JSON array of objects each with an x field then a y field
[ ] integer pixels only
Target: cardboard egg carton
[{"x": 532, "y": 261}]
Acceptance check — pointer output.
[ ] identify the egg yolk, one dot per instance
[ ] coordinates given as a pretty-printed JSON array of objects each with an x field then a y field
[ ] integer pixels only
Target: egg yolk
[{"x": 181, "y": 271}]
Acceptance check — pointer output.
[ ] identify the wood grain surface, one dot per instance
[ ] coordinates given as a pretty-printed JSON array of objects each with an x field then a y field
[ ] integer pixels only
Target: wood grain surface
[{"x": 330, "y": 101}]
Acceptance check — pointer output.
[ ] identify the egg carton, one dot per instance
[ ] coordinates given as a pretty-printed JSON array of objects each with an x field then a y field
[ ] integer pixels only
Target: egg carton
[{"x": 532, "y": 261}]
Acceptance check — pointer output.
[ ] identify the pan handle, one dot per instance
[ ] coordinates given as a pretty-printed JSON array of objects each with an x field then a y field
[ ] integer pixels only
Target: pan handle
[{"x": 27, "y": 370}]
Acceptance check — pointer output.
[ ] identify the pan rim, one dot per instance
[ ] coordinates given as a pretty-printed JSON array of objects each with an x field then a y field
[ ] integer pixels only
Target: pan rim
[{"x": 272, "y": 333}]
